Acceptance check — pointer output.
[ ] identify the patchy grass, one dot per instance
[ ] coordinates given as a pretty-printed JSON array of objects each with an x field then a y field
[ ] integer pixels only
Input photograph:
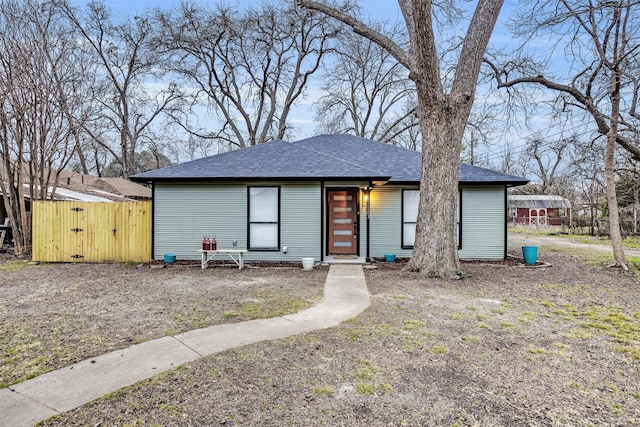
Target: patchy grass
[
  {"x": 504, "y": 324},
  {"x": 472, "y": 338},
  {"x": 366, "y": 389},
  {"x": 527, "y": 317},
  {"x": 629, "y": 242},
  {"x": 439, "y": 349},
  {"x": 512, "y": 346},
  {"x": 323, "y": 391},
  {"x": 49, "y": 321},
  {"x": 366, "y": 373},
  {"x": 412, "y": 325},
  {"x": 265, "y": 304},
  {"x": 14, "y": 265},
  {"x": 622, "y": 326},
  {"x": 536, "y": 350},
  {"x": 578, "y": 334}
]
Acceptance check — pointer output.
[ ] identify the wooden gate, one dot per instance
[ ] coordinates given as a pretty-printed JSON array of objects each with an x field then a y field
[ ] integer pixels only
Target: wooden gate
[{"x": 91, "y": 231}]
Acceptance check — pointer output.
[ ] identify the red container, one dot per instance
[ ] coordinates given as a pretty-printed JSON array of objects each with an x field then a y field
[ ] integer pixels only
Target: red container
[{"x": 206, "y": 244}]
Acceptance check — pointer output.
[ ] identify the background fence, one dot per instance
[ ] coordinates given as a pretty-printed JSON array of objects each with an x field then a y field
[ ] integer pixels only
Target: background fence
[{"x": 91, "y": 231}]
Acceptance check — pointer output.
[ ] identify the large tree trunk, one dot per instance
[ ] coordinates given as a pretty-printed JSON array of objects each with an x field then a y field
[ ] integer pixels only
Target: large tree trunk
[
  {"x": 443, "y": 117},
  {"x": 435, "y": 252}
]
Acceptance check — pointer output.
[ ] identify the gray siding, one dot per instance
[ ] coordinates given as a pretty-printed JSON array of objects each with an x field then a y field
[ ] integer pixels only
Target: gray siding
[
  {"x": 483, "y": 223},
  {"x": 483, "y": 216},
  {"x": 184, "y": 213},
  {"x": 300, "y": 211},
  {"x": 386, "y": 222}
]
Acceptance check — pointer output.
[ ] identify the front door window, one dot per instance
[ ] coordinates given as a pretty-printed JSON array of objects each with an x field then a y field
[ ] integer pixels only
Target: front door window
[{"x": 343, "y": 222}]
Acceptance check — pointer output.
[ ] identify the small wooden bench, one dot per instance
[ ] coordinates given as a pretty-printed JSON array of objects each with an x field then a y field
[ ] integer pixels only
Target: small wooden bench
[{"x": 208, "y": 255}]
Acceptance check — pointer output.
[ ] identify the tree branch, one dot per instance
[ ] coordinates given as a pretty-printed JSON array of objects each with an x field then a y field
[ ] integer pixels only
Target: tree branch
[
  {"x": 474, "y": 47},
  {"x": 359, "y": 27},
  {"x": 584, "y": 101}
]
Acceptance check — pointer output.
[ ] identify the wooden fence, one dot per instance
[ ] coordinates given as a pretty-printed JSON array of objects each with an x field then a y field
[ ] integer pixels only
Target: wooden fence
[{"x": 91, "y": 231}]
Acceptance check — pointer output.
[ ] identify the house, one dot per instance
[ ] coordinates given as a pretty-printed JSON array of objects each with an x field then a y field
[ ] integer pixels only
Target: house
[
  {"x": 539, "y": 210},
  {"x": 323, "y": 197}
]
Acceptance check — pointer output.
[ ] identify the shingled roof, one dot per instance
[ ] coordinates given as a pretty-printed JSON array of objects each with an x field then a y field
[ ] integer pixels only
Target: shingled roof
[{"x": 320, "y": 157}]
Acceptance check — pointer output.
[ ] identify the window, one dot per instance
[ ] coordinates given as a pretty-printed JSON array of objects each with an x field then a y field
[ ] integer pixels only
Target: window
[
  {"x": 409, "y": 216},
  {"x": 264, "y": 218},
  {"x": 410, "y": 200}
]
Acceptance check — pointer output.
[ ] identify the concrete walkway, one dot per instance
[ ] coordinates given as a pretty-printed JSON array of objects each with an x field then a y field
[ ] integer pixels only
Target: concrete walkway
[{"x": 26, "y": 403}]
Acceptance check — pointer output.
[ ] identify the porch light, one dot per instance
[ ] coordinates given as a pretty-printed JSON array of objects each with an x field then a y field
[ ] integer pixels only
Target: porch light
[
  {"x": 364, "y": 195},
  {"x": 365, "y": 191}
]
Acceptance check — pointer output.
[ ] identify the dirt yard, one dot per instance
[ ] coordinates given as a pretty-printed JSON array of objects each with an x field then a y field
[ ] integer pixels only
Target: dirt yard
[
  {"x": 507, "y": 346},
  {"x": 52, "y": 315}
]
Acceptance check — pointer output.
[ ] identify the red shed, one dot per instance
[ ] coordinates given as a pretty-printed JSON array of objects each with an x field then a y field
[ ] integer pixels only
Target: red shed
[{"x": 539, "y": 209}]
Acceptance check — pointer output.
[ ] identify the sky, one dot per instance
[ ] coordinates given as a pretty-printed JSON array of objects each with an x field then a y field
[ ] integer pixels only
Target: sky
[
  {"x": 377, "y": 8},
  {"x": 302, "y": 116}
]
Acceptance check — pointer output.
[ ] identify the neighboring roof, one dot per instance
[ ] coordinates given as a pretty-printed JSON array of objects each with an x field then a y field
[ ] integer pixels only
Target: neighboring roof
[
  {"x": 66, "y": 194},
  {"x": 123, "y": 187},
  {"x": 116, "y": 189},
  {"x": 75, "y": 186},
  {"x": 319, "y": 157},
  {"x": 538, "y": 201}
]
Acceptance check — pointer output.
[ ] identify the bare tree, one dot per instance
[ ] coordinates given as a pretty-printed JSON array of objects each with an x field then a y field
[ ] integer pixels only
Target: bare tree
[
  {"x": 627, "y": 188},
  {"x": 444, "y": 105},
  {"x": 128, "y": 105},
  {"x": 248, "y": 67},
  {"x": 506, "y": 160},
  {"x": 410, "y": 136},
  {"x": 588, "y": 172},
  {"x": 546, "y": 159},
  {"x": 143, "y": 161},
  {"x": 41, "y": 106},
  {"x": 600, "y": 43},
  {"x": 481, "y": 130},
  {"x": 366, "y": 92}
]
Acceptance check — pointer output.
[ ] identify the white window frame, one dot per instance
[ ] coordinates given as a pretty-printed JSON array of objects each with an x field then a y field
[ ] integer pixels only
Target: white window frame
[
  {"x": 407, "y": 220},
  {"x": 409, "y": 217}
]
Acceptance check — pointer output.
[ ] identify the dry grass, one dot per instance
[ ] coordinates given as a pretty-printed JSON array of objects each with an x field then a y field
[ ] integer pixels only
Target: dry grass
[
  {"x": 507, "y": 346},
  {"x": 53, "y": 315}
]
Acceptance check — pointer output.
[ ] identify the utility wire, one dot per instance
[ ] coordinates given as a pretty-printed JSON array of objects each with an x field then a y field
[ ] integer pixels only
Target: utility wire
[{"x": 519, "y": 145}]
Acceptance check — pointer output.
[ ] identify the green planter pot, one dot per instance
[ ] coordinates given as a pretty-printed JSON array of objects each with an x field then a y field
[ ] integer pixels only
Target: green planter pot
[{"x": 530, "y": 254}]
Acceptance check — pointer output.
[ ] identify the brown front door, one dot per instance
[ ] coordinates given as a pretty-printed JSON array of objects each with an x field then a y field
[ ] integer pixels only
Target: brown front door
[{"x": 343, "y": 222}]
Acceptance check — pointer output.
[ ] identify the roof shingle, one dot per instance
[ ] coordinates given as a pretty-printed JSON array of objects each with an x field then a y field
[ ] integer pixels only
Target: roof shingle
[{"x": 318, "y": 157}]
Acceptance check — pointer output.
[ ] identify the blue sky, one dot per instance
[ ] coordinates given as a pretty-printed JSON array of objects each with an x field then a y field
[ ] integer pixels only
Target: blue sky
[
  {"x": 377, "y": 8},
  {"x": 302, "y": 116}
]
